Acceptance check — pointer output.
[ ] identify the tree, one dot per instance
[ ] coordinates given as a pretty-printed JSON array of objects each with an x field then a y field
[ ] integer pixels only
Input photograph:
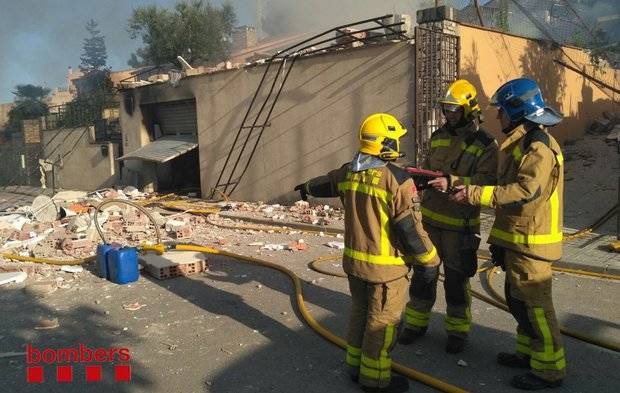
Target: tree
[
  {"x": 94, "y": 54},
  {"x": 196, "y": 30},
  {"x": 95, "y": 87},
  {"x": 29, "y": 104}
]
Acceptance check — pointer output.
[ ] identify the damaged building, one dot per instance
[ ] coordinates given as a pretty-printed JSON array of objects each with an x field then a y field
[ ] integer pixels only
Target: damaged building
[{"x": 256, "y": 130}]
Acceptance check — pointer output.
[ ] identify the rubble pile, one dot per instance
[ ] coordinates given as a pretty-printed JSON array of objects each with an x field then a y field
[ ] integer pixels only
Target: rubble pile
[
  {"x": 73, "y": 233},
  {"x": 608, "y": 124},
  {"x": 301, "y": 212}
]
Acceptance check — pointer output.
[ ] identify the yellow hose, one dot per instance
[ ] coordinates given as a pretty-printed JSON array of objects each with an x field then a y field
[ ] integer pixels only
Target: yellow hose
[
  {"x": 16, "y": 257},
  {"x": 399, "y": 368},
  {"x": 498, "y": 302},
  {"x": 587, "y": 230},
  {"x": 614, "y": 346}
]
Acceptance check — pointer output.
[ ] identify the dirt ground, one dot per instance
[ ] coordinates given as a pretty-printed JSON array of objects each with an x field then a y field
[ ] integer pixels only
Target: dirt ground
[{"x": 591, "y": 181}]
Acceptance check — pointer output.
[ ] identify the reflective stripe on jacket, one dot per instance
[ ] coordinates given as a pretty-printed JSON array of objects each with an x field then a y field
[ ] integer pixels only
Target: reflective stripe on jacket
[
  {"x": 528, "y": 199},
  {"x": 469, "y": 156},
  {"x": 375, "y": 201}
]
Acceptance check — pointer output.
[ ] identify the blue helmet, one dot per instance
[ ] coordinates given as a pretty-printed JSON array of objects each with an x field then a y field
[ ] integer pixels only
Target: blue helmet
[{"x": 522, "y": 99}]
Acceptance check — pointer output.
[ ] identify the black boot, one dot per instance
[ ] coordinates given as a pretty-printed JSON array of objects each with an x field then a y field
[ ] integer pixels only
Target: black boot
[
  {"x": 398, "y": 384},
  {"x": 408, "y": 336},
  {"x": 455, "y": 344},
  {"x": 513, "y": 360},
  {"x": 530, "y": 381}
]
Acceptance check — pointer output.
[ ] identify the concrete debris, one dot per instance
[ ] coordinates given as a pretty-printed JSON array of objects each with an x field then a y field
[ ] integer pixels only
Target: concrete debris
[
  {"x": 69, "y": 196},
  {"x": 299, "y": 245},
  {"x": 133, "y": 306},
  {"x": 603, "y": 125},
  {"x": 274, "y": 247},
  {"x": 79, "y": 223},
  {"x": 41, "y": 289},
  {"x": 614, "y": 135},
  {"x": 72, "y": 268},
  {"x": 336, "y": 245},
  {"x": 12, "y": 277},
  {"x": 45, "y": 324}
]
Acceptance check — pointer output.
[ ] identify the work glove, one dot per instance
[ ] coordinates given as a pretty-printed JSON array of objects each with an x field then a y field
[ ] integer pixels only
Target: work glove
[
  {"x": 498, "y": 255},
  {"x": 302, "y": 191}
]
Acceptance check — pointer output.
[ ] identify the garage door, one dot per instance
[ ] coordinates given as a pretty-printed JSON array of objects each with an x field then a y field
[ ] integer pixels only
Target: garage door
[{"x": 177, "y": 117}]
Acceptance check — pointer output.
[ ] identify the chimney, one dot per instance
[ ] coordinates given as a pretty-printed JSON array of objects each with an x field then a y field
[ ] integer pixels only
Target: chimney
[{"x": 244, "y": 37}]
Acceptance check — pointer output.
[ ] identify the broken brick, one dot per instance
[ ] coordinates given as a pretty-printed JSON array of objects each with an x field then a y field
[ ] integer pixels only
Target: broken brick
[
  {"x": 115, "y": 226},
  {"x": 183, "y": 232},
  {"x": 74, "y": 244},
  {"x": 136, "y": 228}
]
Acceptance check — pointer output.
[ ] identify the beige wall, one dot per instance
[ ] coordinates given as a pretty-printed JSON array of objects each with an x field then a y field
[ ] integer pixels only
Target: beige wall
[
  {"x": 4, "y": 113},
  {"x": 313, "y": 127},
  {"x": 84, "y": 167},
  {"x": 489, "y": 58}
]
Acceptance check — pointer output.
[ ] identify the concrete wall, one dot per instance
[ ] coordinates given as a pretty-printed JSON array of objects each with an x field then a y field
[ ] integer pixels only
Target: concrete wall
[
  {"x": 314, "y": 124},
  {"x": 490, "y": 58},
  {"x": 80, "y": 164}
]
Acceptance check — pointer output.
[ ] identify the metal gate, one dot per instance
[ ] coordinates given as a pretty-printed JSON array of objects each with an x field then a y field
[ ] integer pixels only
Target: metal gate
[{"x": 436, "y": 66}]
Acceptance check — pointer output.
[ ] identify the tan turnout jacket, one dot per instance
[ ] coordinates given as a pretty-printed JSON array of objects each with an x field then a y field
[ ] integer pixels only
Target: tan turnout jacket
[
  {"x": 469, "y": 156},
  {"x": 528, "y": 196},
  {"x": 375, "y": 201}
]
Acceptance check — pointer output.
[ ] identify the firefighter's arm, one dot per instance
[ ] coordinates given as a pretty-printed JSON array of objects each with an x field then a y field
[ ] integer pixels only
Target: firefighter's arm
[
  {"x": 407, "y": 222},
  {"x": 534, "y": 172},
  {"x": 485, "y": 171},
  {"x": 325, "y": 186}
]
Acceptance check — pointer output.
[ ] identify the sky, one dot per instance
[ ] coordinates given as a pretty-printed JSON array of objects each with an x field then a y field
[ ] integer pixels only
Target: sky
[{"x": 40, "y": 39}]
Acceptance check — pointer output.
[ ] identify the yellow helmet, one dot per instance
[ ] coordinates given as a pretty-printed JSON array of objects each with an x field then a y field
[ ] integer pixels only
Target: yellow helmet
[
  {"x": 463, "y": 94},
  {"x": 380, "y": 135}
]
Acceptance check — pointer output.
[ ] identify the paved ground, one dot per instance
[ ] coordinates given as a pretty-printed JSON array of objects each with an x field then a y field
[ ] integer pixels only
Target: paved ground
[{"x": 234, "y": 329}]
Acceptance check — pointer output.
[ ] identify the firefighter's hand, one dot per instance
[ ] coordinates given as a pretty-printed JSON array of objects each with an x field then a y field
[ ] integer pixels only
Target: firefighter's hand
[
  {"x": 302, "y": 191},
  {"x": 440, "y": 183},
  {"x": 460, "y": 195}
]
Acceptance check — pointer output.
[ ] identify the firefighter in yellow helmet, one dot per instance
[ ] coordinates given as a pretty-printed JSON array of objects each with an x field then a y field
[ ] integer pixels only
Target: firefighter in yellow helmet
[
  {"x": 466, "y": 154},
  {"x": 527, "y": 233},
  {"x": 383, "y": 238}
]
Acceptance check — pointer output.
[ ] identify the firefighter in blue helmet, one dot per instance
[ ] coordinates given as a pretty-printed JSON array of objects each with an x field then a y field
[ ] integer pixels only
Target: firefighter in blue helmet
[{"x": 527, "y": 233}]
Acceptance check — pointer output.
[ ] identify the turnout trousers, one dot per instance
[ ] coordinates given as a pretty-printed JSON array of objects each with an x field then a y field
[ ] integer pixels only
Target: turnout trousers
[
  {"x": 528, "y": 295},
  {"x": 375, "y": 314},
  {"x": 457, "y": 251}
]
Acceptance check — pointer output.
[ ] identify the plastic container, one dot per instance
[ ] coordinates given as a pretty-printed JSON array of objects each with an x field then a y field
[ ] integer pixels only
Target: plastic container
[
  {"x": 102, "y": 260},
  {"x": 123, "y": 265}
]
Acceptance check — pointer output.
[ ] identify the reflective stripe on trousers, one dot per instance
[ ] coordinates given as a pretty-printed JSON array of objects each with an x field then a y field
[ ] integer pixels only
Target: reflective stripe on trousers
[{"x": 377, "y": 372}]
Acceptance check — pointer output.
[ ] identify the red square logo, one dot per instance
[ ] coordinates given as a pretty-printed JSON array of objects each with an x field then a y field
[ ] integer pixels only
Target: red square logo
[
  {"x": 64, "y": 374},
  {"x": 122, "y": 373},
  {"x": 34, "y": 374},
  {"x": 93, "y": 373}
]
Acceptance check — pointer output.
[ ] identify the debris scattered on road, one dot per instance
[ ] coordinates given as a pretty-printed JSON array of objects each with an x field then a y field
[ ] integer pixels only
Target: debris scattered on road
[
  {"x": 72, "y": 268},
  {"x": 45, "y": 324},
  {"x": 336, "y": 245},
  {"x": 12, "y": 277},
  {"x": 133, "y": 306}
]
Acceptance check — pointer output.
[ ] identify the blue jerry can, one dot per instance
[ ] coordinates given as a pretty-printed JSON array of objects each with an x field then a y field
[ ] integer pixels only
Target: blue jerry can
[
  {"x": 123, "y": 265},
  {"x": 102, "y": 260}
]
